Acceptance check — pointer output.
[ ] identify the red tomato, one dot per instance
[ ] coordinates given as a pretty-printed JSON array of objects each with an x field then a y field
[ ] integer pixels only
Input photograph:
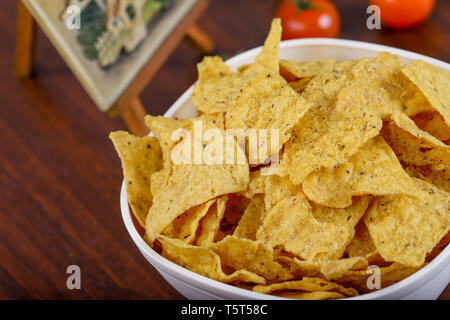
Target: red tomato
[
  {"x": 307, "y": 19},
  {"x": 401, "y": 14}
]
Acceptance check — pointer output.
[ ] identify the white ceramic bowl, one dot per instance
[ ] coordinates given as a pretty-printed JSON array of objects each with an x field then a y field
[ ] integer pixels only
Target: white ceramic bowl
[{"x": 427, "y": 283}]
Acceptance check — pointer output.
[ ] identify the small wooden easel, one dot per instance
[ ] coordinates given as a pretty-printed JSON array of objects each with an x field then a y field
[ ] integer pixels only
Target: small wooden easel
[{"x": 129, "y": 105}]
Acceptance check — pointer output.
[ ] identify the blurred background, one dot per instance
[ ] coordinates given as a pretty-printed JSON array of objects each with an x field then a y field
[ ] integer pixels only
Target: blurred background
[{"x": 60, "y": 177}]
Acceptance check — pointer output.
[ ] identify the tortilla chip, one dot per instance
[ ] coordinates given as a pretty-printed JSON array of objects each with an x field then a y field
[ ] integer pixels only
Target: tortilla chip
[
  {"x": 184, "y": 227},
  {"x": 256, "y": 185},
  {"x": 347, "y": 217},
  {"x": 163, "y": 129},
  {"x": 203, "y": 261},
  {"x": 407, "y": 124},
  {"x": 299, "y": 268},
  {"x": 141, "y": 157},
  {"x": 217, "y": 119},
  {"x": 414, "y": 146},
  {"x": 291, "y": 223},
  {"x": 278, "y": 188},
  {"x": 437, "y": 175},
  {"x": 434, "y": 124},
  {"x": 250, "y": 255},
  {"x": 405, "y": 229},
  {"x": 306, "y": 69},
  {"x": 209, "y": 225},
  {"x": 234, "y": 210},
  {"x": 217, "y": 90},
  {"x": 334, "y": 269},
  {"x": 187, "y": 185},
  {"x": 438, "y": 248},
  {"x": 251, "y": 219},
  {"x": 266, "y": 102},
  {"x": 306, "y": 284},
  {"x": 219, "y": 93},
  {"x": 212, "y": 67},
  {"x": 434, "y": 83},
  {"x": 329, "y": 269},
  {"x": 299, "y": 85},
  {"x": 190, "y": 185},
  {"x": 388, "y": 276},
  {"x": 329, "y": 135},
  {"x": 394, "y": 91},
  {"x": 362, "y": 244},
  {"x": 374, "y": 169},
  {"x": 268, "y": 59}
]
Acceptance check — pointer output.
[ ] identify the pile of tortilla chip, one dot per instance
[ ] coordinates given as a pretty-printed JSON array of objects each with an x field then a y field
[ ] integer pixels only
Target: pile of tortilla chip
[{"x": 362, "y": 181}]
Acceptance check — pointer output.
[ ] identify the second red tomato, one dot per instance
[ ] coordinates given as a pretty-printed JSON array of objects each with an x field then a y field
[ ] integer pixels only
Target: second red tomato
[{"x": 307, "y": 19}]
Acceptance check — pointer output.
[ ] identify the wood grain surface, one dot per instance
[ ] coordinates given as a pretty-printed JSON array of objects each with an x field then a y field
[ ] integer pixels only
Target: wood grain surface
[{"x": 60, "y": 177}]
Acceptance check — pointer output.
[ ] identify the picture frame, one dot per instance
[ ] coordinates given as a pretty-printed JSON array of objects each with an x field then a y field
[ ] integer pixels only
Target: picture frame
[{"x": 106, "y": 80}]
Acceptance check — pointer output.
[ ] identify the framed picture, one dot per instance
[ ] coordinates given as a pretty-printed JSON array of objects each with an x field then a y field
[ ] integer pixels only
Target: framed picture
[{"x": 107, "y": 42}]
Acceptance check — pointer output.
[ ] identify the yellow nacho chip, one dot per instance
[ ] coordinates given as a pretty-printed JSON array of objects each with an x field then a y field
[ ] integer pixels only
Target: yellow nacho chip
[
  {"x": 266, "y": 102},
  {"x": 306, "y": 69},
  {"x": 234, "y": 210},
  {"x": 414, "y": 146},
  {"x": 299, "y": 85},
  {"x": 407, "y": 124},
  {"x": 217, "y": 88},
  {"x": 140, "y": 157},
  {"x": 256, "y": 185},
  {"x": 267, "y": 59},
  {"x": 306, "y": 284},
  {"x": 299, "y": 268},
  {"x": 212, "y": 67},
  {"x": 184, "y": 227},
  {"x": 253, "y": 256},
  {"x": 334, "y": 269},
  {"x": 163, "y": 129},
  {"x": 405, "y": 229},
  {"x": 329, "y": 269},
  {"x": 374, "y": 169},
  {"x": 184, "y": 186},
  {"x": 278, "y": 188},
  {"x": 217, "y": 119},
  {"x": 189, "y": 185},
  {"x": 434, "y": 83},
  {"x": 218, "y": 94},
  {"x": 387, "y": 275},
  {"x": 362, "y": 244},
  {"x": 434, "y": 124},
  {"x": 291, "y": 223},
  {"x": 347, "y": 217},
  {"x": 329, "y": 135},
  {"x": 203, "y": 261},
  {"x": 251, "y": 219},
  {"x": 437, "y": 175},
  {"x": 209, "y": 225},
  {"x": 394, "y": 91}
]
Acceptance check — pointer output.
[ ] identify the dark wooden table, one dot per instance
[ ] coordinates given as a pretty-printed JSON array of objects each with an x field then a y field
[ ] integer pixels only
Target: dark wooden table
[{"x": 60, "y": 177}]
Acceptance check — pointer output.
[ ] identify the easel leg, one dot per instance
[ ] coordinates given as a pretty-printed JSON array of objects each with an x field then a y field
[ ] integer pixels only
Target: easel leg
[
  {"x": 200, "y": 38},
  {"x": 133, "y": 114},
  {"x": 25, "y": 41}
]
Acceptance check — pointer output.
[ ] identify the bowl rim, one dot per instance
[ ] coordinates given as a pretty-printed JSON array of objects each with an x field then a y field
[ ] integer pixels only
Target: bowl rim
[{"x": 203, "y": 283}]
